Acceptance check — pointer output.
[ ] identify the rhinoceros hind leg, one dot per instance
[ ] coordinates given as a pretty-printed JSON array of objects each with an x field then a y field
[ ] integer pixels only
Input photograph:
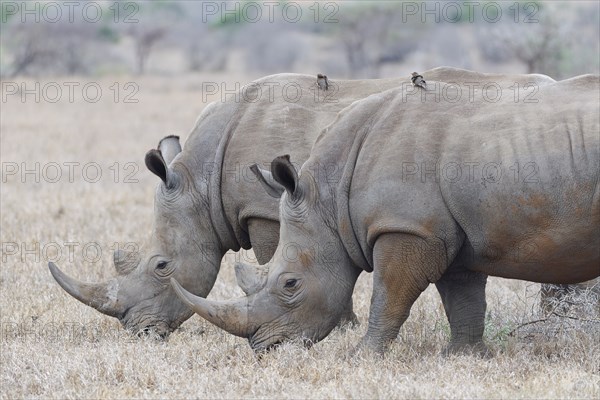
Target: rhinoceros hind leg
[{"x": 463, "y": 296}]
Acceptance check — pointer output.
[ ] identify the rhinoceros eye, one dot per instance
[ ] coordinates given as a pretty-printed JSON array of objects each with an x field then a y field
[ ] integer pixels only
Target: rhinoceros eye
[
  {"x": 162, "y": 265},
  {"x": 290, "y": 283}
]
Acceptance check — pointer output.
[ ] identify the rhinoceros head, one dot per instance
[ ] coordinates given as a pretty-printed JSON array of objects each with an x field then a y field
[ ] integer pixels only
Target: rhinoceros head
[
  {"x": 183, "y": 246},
  {"x": 309, "y": 280}
]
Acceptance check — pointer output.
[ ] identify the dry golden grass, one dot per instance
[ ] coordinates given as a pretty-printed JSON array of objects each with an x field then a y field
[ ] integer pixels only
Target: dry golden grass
[{"x": 53, "y": 346}]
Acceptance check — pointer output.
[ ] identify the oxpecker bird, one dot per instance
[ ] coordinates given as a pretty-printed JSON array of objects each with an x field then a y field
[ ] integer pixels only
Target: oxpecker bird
[
  {"x": 322, "y": 82},
  {"x": 418, "y": 80}
]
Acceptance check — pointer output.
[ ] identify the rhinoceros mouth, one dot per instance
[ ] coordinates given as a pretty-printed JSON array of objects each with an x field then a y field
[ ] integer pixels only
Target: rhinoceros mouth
[
  {"x": 153, "y": 332},
  {"x": 259, "y": 346},
  {"x": 146, "y": 330},
  {"x": 259, "y": 342}
]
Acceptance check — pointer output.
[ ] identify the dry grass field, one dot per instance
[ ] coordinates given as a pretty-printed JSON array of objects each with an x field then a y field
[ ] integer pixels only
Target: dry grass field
[{"x": 55, "y": 347}]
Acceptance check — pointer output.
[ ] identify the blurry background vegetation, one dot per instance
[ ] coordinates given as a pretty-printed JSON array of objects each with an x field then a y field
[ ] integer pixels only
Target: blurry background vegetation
[{"x": 350, "y": 39}]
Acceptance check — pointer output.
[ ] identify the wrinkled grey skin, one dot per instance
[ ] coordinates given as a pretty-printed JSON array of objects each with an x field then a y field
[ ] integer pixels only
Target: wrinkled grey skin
[
  {"x": 208, "y": 201},
  {"x": 375, "y": 213}
]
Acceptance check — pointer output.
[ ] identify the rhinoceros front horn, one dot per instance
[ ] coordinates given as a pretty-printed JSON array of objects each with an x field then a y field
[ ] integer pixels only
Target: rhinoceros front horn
[
  {"x": 231, "y": 316},
  {"x": 101, "y": 296}
]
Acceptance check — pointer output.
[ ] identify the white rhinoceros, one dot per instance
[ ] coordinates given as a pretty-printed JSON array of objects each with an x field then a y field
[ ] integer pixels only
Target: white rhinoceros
[
  {"x": 207, "y": 201},
  {"x": 420, "y": 190}
]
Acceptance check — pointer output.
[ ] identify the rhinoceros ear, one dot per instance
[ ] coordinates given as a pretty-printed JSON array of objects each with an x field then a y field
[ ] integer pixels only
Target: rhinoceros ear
[
  {"x": 251, "y": 278},
  {"x": 158, "y": 166},
  {"x": 125, "y": 261},
  {"x": 265, "y": 178},
  {"x": 285, "y": 173},
  {"x": 169, "y": 147}
]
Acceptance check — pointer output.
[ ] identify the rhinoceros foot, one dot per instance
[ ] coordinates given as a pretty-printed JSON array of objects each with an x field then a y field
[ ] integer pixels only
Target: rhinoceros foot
[
  {"x": 369, "y": 347},
  {"x": 475, "y": 349}
]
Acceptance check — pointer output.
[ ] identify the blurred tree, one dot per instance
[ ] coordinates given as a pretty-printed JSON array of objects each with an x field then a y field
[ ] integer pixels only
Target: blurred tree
[
  {"x": 61, "y": 47},
  {"x": 205, "y": 42},
  {"x": 358, "y": 41},
  {"x": 371, "y": 36},
  {"x": 155, "y": 20},
  {"x": 28, "y": 48},
  {"x": 145, "y": 39},
  {"x": 208, "y": 50},
  {"x": 541, "y": 49},
  {"x": 73, "y": 44},
  {"x": 272, "y": 49},
  {"x": 538, "y": 40}
]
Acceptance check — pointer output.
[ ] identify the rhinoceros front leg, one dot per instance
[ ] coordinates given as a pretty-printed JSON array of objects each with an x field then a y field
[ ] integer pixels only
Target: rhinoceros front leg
[
  {"x": 404, "y": 265},
  {"x": 463, "y": 296}
]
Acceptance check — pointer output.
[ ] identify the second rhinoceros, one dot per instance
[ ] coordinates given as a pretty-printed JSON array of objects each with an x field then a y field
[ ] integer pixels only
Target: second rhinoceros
[{"x": 420, "y": 191}]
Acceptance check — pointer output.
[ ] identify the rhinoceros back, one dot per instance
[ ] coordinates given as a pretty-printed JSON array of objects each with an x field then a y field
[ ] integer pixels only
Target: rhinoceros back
[{"x": 516, "y": 181}]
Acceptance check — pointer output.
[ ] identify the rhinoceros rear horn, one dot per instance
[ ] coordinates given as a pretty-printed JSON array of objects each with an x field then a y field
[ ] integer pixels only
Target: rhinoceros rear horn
[
  {"x": 285, "y": 173},
  {"x": 265, "y": 178},
  {"x": 231, "y": 316},
  {"x": 169, "y": 147},
  {"x": 100, "y": 296}
]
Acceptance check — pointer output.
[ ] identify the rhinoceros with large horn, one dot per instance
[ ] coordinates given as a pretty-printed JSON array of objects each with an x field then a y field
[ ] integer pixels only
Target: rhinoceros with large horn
[
  {"x": 419, "y": 190},
  {"x": 207, "y": 203}
]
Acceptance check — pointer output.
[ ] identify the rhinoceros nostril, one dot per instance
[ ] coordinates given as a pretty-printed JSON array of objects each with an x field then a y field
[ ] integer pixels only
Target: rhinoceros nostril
[
  {"x": 260, "y": 348},
  {"x": 144, "y": 332}
]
